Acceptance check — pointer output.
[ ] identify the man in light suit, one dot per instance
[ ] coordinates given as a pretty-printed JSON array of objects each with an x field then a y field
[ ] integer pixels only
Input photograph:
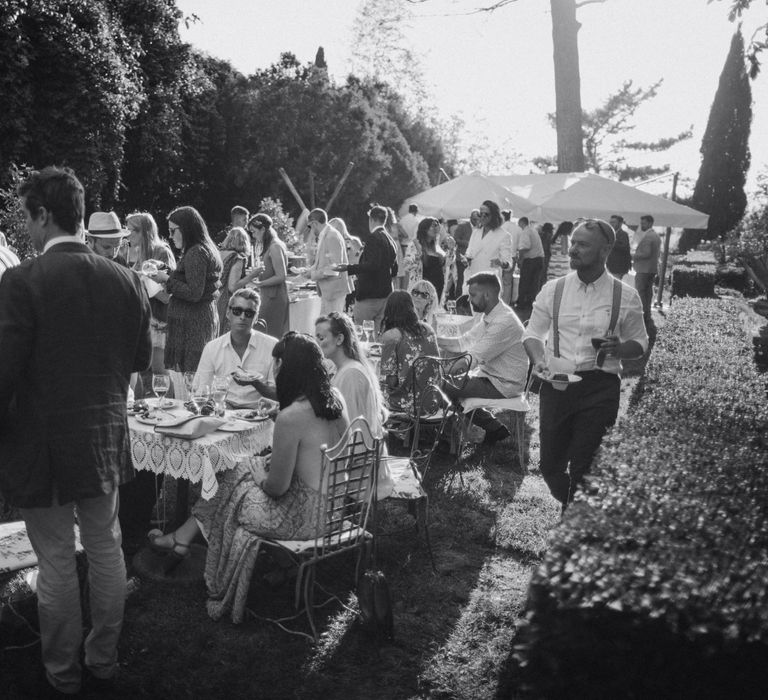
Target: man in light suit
[
  {"x": 73, "y": 326},
  {"x": 331, "y": 250}
]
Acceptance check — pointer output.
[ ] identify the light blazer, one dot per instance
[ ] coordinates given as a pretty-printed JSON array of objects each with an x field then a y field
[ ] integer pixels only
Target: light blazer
[
  {"x": 73, "y": 326},
  {"x": 331, "y": 250}
]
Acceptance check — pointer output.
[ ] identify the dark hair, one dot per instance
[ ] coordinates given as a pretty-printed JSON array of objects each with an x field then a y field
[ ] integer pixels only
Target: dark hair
[
  {"x": 60, "y": 192},
  {"x": 237, "y": 209},
  {"x": 485, "y": 279},
  {"x": 547, "y": 227},
  {"x": 507, "y": 214},
  {"x": 318, "y": 215},
  {"x": 303, "y": 374},
  {"x": 564, "y": 228},
  {"x": 421, "y": 236},
  {"x": 648, "y": 218},
  {"x": 400, "y": 313},
  {"x": 523, "y": 221},
  {"x": 413, "y": 208},
  {"x": 193, "y": 229},
  {"x": 617, "y": 217},
  {"x": 264, "y": 221},
  {"x": 341, "y": 324},
  {"x": 249, "y": 294},
  {"x": 378, "y": 213},
  {"x": 494, "y": 220}
]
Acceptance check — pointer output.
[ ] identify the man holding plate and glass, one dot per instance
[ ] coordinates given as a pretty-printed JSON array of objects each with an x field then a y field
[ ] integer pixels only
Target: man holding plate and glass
[
  {"x": 244, "y": 354},
  {"x": 590, "y": 322}
]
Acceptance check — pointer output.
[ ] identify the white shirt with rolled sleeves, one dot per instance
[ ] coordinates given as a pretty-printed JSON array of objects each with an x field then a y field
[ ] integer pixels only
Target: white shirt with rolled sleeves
[
  {"x": 220, "y": 359},
  {"x": 496, "y": 345},
  {"x": 585, "y": 313},
  {"x": 496, "y": 244}
]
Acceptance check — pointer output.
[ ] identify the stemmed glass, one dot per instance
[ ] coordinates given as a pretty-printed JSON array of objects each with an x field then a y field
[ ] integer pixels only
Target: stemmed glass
[
  {"x": 368, "y": 327},
  {"x": 219, "y": 393},
  {"x": 200, "y": 393},
  {"x": 161, "y": 383}
]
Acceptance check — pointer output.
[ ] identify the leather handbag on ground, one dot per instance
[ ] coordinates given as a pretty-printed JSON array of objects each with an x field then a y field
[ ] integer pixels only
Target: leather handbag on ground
[{"x": 376, "y": 603}]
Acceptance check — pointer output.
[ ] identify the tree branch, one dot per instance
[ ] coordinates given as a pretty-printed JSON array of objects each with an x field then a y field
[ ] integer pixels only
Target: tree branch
[{"x": 587, "y": 2}]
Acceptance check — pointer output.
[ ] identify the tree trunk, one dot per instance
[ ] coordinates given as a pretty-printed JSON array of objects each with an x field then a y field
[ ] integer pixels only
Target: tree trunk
[{"x": 565, "y": 39}]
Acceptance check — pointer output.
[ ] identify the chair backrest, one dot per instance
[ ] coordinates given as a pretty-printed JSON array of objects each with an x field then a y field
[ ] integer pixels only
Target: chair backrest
[
  {"x": 426, "y": 383},
  {"x": 349, "y": 471},
  {"x": 456, "y": 369}
]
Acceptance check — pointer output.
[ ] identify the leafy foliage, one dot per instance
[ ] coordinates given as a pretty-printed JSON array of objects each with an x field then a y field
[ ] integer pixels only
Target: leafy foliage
[
  {"x": 725, "y": 156},
  {"x": 604, "y": 129},
  {"x": 654, "y": 584},
  {"x": 695, "y": 281},
  {"x": 756, "y": 45}
]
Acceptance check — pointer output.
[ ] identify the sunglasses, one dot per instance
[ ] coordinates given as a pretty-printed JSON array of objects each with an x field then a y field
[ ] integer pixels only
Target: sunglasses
[
  {"x": 419, "y": 293},
  {"x": 240, "y": 311}
]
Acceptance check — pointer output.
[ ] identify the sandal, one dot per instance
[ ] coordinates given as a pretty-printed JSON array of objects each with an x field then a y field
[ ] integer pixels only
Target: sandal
[{"x": 170, "y": 552}]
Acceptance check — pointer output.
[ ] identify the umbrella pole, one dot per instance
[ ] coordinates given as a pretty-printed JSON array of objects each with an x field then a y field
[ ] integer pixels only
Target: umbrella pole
[{"x": 667, "y": 239}]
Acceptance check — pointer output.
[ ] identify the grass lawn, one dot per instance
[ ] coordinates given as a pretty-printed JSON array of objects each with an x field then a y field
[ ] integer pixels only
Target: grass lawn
[{"x": 453, "y": 628}]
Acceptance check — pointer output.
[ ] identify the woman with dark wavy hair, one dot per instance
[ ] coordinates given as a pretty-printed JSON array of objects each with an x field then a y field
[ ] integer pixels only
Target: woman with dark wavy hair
[
  {"x": 271, "y": 273},
  {"x": 193, "y": 319},
  {"x": 404, "y": 338},
  {"x": 284, "y": 503}
]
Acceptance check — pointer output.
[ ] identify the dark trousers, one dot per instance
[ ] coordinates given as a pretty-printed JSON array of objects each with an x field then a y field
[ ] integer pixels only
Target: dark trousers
[
  {"x": 530, "y": 278},
  {"x": 644, "y": 287},
  {"x": 478, "y": 388},
  {"x": 572, "y": 425}
]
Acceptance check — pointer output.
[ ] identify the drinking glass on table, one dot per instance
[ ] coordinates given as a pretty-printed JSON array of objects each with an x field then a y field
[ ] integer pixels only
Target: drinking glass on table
[
  {"x": 161, "y": 383},
  {"x": 368, "y": 328},
  {"x": 200, "y": 394},
  {"x": 189, "y": 378},
  {"x": 219, "y": 389}
]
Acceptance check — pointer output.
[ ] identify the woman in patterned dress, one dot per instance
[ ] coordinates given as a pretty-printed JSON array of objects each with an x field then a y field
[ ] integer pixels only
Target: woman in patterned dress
[
  {"x": 194, "y": 285},
  {"x": 272, "y": 275},
  {"x": 283, "y": 505},
  {"x": 404, "y": 338}
]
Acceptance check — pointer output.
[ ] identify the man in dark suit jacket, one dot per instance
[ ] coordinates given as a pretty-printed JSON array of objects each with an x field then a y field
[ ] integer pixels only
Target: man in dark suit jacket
[
  {"x": 73, "y": 326},
  {"x": 619, "y": 260}
]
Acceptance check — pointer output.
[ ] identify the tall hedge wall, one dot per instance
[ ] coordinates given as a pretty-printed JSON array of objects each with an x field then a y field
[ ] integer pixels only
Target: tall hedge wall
[{"x": 656, "y": 583}]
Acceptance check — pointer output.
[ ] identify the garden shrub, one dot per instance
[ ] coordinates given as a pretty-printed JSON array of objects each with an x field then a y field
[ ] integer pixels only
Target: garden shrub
[
  {"x": 696, "y": 281},
  {"x": 698, "y": 257},
  {"x": 655, "y": 583}
]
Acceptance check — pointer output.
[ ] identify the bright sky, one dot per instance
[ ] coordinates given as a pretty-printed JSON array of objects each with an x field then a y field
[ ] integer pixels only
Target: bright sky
[{"x": 496, "y": 70}]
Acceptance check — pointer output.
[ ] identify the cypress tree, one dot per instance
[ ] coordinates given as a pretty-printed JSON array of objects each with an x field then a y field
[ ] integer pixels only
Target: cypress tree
[{"x": 725, "y": 157}]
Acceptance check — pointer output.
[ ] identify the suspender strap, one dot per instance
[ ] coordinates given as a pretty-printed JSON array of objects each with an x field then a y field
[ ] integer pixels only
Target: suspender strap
[
  {"x": 615, "y": 306},
  {"x": 559, "y": 287}
]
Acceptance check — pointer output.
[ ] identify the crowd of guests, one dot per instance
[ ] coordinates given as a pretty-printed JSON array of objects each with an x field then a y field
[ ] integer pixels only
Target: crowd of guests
[{"x": 123, "y": 303}]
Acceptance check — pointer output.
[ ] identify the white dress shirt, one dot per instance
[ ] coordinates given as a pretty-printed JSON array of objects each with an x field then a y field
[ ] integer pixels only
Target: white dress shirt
[
  {"x": 496, "y": 244},
  {"x": 220, "y": 359},
  {"x": 585, "y": 313},
  {"x": 496, "y": 345}
]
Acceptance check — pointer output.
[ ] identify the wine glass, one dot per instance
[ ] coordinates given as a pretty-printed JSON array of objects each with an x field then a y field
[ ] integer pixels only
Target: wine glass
[
  {"x": 450, "y": 306},
  {"x": 161, "y": 383},
  {"x": 189, "y": 377},
  {"x": 200, "y": 393},
  {"x": 219, "y": 393},
  {"x": 368, "y": 327}
]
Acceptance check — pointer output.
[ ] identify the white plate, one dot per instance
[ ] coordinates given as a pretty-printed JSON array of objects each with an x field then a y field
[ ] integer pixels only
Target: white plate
[
  {"x": 572, "y": 378},
  {"x": 167, "y": 403}
]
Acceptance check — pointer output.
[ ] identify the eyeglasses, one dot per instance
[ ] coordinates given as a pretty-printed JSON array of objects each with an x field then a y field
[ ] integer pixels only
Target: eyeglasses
[
  {"x": 240, "y": 311},
  {"x": 603, "y": 226},
  {"x": 419, "y": 293}
]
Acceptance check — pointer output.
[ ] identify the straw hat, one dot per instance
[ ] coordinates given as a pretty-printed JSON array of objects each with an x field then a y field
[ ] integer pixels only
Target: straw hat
[{"x": 105, "y": 224}]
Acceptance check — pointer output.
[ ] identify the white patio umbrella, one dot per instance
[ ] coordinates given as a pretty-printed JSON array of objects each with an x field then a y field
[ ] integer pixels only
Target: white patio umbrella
[
  {"x": 567, "y": 196},
  {"x": 456, "y": 198}
]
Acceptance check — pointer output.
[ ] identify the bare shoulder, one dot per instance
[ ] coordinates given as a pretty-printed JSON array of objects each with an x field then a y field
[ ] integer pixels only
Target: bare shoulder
[{"x": 393, "y": 335}]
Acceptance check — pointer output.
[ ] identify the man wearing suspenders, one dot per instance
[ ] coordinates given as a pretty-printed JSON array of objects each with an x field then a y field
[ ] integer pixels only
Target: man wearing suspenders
[{"x": 582, "y": 325}]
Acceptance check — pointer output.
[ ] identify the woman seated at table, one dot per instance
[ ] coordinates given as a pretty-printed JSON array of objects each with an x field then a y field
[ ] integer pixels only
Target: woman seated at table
[
  {"x": 284, "y": 504},
  {"x": 403, "y": 339},
  {"x": 425, "y": 301},
  {"x": 355, "y": 379}
]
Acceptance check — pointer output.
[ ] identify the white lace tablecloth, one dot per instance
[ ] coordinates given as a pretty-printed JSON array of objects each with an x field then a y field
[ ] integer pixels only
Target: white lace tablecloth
[{"x": 196, "y": 460}]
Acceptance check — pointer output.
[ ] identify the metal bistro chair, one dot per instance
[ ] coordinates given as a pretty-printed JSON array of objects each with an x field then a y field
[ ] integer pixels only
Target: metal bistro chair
[{"x": 345, "y": 517}]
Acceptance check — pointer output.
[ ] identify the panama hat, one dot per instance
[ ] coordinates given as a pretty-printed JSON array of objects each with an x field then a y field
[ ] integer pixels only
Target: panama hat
[{"x": 105, "y": 224}]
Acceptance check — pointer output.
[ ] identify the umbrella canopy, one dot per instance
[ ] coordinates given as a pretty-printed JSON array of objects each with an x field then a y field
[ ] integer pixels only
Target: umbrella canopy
[
  {"x": 567, "y": 196},
  {"x": 456, "y": 198}
]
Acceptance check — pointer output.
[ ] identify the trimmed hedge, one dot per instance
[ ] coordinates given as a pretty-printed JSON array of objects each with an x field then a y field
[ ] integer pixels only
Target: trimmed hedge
[
  {"x": 693, "y": 281},
  {"x": 656, "y": 583}
]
